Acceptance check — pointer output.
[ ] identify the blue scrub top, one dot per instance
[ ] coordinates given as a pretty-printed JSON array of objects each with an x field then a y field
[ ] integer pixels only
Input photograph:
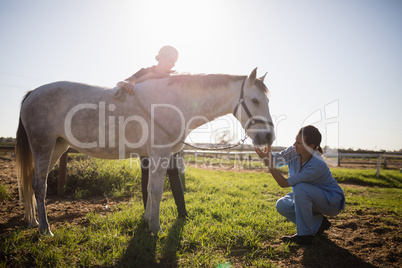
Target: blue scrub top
[{"x": 315, "y": 171}]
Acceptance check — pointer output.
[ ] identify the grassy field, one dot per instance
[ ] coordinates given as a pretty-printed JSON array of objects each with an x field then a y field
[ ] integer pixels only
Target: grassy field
[{"x": 232, "y": 221}]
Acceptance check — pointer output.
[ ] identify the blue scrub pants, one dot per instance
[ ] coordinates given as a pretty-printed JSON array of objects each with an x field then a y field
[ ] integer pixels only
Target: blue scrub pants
[{"x": 305, "y": 207}]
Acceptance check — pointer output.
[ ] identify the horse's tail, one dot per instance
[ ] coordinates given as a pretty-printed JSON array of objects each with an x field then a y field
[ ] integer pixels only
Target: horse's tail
[{"x": 25, "y": 170}]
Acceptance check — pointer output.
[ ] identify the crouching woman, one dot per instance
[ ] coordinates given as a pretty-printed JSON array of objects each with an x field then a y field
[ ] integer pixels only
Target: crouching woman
[{"x": 315, "y": 192}]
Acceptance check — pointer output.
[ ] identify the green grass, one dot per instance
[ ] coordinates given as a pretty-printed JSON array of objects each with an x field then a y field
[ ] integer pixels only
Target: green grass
[
  {"x": 368, "y": 177},
  {"x": 384, "y": 199},
  {"x": 4, "y": 195},
  {"x": 232, "y": 221}
]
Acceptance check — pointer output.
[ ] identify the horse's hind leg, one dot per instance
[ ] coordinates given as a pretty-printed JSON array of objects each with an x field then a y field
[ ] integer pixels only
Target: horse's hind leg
[
  {"x": 59, "y": 149},
  {"x": 45, "y": 158}
]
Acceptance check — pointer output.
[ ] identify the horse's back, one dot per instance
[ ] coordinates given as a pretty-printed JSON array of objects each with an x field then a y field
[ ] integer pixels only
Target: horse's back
[
  {"x": 59, "y": 98},
  {"x": 66, "y": 91},
  {"x": 45, "y": 108}
]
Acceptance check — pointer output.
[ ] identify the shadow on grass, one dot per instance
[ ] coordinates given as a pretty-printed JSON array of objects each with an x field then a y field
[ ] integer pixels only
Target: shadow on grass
[
  {"x": 385, "y": 180},
  {"x": 326, "y": 253},
  {"x": 392, "y": 180},
  {"x": 143, "y": 251}
]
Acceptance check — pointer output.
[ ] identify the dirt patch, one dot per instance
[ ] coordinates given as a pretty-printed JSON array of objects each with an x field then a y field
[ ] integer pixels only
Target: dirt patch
[
  {"x": 361, "y": 238},
  {"x": 364, "y": 239},
  {"x": 60, "y": 210}
]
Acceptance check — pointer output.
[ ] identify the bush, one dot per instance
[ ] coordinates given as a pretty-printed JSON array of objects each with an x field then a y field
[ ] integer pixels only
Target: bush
[{"x": 89, "y": 177}]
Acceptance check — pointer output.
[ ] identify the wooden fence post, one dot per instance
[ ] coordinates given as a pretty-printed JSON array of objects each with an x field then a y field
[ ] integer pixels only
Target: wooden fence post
[
  {"x": 62, "y": 174},
  {"x": 378, "y": 165}
]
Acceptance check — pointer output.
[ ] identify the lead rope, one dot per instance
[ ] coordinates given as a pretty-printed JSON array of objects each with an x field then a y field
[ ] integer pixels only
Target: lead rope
[{"x": 240, "y": 142}]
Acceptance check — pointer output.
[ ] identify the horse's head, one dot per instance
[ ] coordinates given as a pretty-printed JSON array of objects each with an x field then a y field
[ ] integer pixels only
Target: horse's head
[{"x": 252, "y": 110}]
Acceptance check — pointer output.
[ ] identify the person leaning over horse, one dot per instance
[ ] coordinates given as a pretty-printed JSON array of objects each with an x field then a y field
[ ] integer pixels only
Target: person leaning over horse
[
  {"x": 166, "y": 59},
  {"x": 314, "y": 190}
]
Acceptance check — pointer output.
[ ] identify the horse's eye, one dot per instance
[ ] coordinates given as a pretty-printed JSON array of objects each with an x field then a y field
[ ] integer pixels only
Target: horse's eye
[{"x": 255, "y": 101}]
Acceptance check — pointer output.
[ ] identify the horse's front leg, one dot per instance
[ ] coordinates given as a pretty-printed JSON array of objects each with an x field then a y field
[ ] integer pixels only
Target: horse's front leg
[{"x": 157, "y": 173}]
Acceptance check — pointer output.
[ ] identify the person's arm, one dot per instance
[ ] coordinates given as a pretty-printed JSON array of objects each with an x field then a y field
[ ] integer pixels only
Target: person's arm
[
  {"x": 266, "y": 155},
  {"x": 151, "y": 75},
  {"x": 282, "y": 182},
  {"x": 128, "y": 84}
]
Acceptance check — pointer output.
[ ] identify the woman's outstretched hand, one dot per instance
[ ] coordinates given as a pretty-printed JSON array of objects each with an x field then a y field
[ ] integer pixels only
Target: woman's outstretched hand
[{"x": 266, "y": 155}]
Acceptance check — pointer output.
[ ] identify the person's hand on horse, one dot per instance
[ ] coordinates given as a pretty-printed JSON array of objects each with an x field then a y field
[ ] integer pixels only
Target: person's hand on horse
[{"x": 127, "y": 86}]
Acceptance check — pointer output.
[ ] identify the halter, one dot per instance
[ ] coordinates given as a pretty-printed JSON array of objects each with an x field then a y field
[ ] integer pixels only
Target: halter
[{"x": 250, "y": 121}]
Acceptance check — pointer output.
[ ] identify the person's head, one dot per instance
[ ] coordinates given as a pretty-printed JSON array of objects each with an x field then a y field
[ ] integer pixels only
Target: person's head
[
  {"x": 308, "y": 140},
  {"x": 167, "y": 58}
]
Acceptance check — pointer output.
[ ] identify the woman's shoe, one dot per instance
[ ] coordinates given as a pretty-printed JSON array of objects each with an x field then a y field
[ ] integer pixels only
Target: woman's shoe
[
  {"x": 299, "y": 239},
  {"x": 325, "y": 224}
]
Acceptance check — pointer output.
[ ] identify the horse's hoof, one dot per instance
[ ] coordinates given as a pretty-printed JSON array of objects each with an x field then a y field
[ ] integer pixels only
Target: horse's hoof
[
  {"x": 47, "y": 232},
  {"x": 159, "y": 233},
  {"x": 33, "y": 223},
  {"x": 155, "y": 230}
]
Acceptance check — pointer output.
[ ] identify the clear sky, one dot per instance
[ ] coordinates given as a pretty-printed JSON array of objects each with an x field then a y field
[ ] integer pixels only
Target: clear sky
[{"x": 337, "y": 64}]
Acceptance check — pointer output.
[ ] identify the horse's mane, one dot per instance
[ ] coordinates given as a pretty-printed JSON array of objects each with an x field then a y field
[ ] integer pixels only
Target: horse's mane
[{"x": 211, "y": 80}]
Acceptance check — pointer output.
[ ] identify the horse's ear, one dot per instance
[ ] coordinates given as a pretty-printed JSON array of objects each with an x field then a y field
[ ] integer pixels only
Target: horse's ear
[
  {"x": 252, "y": 77},
  {"x": 263, "y": 77}
]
